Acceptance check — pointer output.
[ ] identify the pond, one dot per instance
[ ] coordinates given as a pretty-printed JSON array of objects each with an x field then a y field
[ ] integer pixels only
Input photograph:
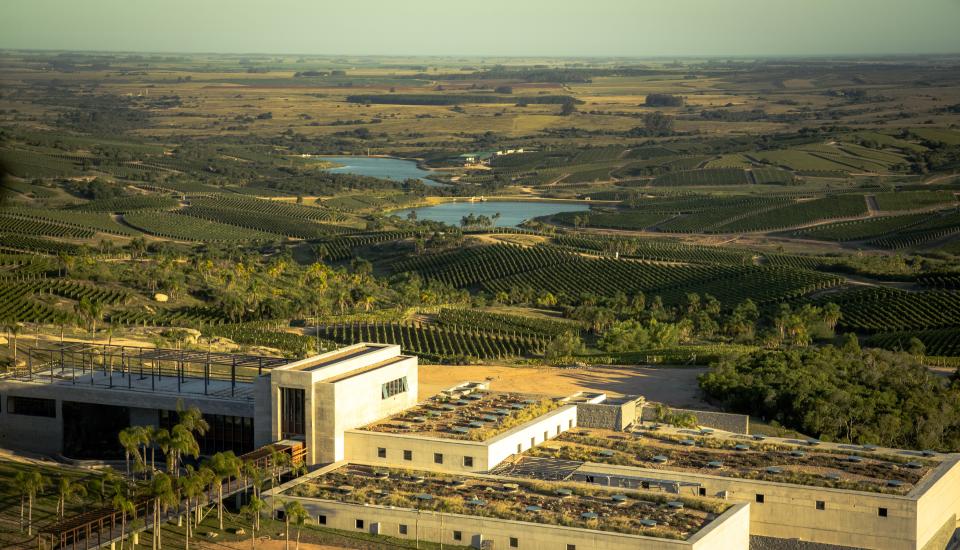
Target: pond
[
  {"x": 512, "y": 213},
  {"x": 380, "y": 167}
]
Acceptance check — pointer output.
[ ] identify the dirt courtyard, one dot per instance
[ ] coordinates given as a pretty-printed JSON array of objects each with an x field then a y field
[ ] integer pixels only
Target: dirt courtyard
[{"x": 675, "y": 386}]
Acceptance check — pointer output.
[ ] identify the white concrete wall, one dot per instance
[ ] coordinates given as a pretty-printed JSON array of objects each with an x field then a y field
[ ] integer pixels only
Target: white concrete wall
[
  {"x": 850, "y": 518},
  {"x": 36, "y": 434},
  {"x": 361, "y": 447},
  {"x": 359, "y": 400},
  {"x": 729, "y": 532},
  {"x": 939, "y": 502},
  {"x": 529, "y": 435}
]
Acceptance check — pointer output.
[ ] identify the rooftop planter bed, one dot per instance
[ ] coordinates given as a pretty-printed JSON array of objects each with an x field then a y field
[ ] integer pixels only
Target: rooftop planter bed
[
  {"x": 740, "y": 458},
  {"x": 470, "y": 414},
  {"x": 630, "y": 512}
]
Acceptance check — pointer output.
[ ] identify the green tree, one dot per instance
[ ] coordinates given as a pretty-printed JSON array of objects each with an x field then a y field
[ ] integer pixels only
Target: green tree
[
  {"x": 30, "y": 484},
  {"x": 224, "y": 466},
  {"x": 564, "y": 346},
  {"x": 293, "y": 512},
  {"x": 68, "y": 490},
  {"x": 123, "y": 503},
  {"x": 163, "y": 496}
]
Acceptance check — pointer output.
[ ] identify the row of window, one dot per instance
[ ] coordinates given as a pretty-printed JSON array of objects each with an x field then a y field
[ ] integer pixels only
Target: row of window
[
  {"x": 820, "y": 504},
  {"x": 393, "y": 387},
  {"x": 404, "y": 529},
  {"x": 437, "y": 457},
  {"x": 32, "y": 406}
]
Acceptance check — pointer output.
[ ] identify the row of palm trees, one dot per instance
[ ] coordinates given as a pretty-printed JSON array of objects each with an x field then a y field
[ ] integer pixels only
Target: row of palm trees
[{"x": 178, "y": 483}]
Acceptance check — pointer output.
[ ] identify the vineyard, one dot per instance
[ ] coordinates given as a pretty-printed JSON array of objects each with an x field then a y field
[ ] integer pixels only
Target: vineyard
[
  {"x": 438, "y": 342},
  {"x": 179, "y": 317},
  {"x": 76, "y": 290},
  {"x": 858, "y": 230},
  {"x": 16, "y": 306},
  {"x": 128, "y": 204},
  {"x": 647, "y": 249},
  {"x": 939, "y": 342},
  {"x": 37, "y": 245},
  {"x": 23, "y": 226},
  {"x": 92, "y": 221},
  {"x": 504, "y": 323},
  {"x": 188, "y": 228},
  {"x": 264, "y": 222},
  {"x": 888, "y": 310},
  {"x": 471, "y": 266},
  {"x": 627, "y": 219},
  {"x": 263, "y": 334},
  {"x": 911, "y": 200},
  {"x": 21, "y": 267},
  {"x": 341, "y": 248},
  {"x": 934, "y": 228},
  {"x": 270, "y": 207},
  {"x": 800, "y": 213},
  {"x": 708, "y": 176}
]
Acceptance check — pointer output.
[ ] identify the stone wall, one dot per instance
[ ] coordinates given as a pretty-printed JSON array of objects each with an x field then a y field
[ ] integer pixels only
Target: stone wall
[
  {"x": 770, "y": 543},
  {"x": 615, "y": 415},
  {"x": 736, "y": 423}
]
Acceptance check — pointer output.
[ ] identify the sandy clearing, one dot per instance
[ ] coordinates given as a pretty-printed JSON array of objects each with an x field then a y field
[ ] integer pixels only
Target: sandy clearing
[{"x": 675, "y": 386}]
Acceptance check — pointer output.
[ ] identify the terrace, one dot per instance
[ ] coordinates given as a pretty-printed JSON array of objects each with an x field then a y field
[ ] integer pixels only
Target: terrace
[
  {"x": 630, "y": 512},
  {"x": 153, "y": 370},
  {"x": 810, "y": 463},
  {"x": 467, "y": 412}
]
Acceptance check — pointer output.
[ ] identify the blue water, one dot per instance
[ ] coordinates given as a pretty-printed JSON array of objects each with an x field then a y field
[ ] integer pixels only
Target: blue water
[
  {"x": 380, "y": 167},
  {"x": 512, "y": 213}
]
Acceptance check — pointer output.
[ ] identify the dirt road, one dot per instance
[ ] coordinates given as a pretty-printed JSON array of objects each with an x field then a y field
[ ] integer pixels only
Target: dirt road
[{"x": 676, "y": 386}]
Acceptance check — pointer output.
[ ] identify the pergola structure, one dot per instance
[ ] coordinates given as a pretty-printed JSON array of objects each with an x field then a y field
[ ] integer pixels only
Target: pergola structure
[{"x": 144, "y": 369}]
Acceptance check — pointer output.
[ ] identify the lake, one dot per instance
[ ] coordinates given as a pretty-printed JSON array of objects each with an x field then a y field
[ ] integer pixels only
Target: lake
[
  {"x": 380, "y": 167},
  {"x": 512, "y": 213}
]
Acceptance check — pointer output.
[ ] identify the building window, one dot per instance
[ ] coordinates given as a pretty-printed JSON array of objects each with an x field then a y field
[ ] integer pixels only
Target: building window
[
  {"x": 558, "y": 429},
  {"x": 226, "y": 433},
  {"x": 518, "y": 448},
  {"x": 570, "y": 423},
  {"x": 359, "y": 524},
  {"x": 546, "y": 436},
  {"x": 882, "y": 512},
  {"x": 438, "y": 458},
  {"x": 393, "y": 387},
  {"x": 292, "y": 412},
  {"x": 702, "y": 491},
  {"x": 514, "y": 542},
  {"x": 381, "y": 452},
  {"x": 407, "y": 455},
  {"x": 32, "y": 406},
  {"x": 403, "y": 529},
  {"x": 571, "y": 547},
  {"x": 457, "y": 535},
  {"x": 533, "y": 442},
  {"x": 322, "y": 519},
  {"x": 590, "y": 479},
  {"x": 759, "y": 498},
  {"x": 468, "y": 462},
  {"x": 821, "y": 505}
]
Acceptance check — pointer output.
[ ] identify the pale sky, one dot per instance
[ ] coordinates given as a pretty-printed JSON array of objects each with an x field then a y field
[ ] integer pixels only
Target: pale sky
[{"x": 636, "y": 28}]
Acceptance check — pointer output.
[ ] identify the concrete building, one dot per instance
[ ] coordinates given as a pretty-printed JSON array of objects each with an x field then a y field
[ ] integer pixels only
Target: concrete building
[{"x": 359, "y": 407}]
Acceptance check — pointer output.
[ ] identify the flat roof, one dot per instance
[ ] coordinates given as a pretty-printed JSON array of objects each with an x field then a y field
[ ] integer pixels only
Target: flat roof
[
  {"x": 805, "y": 463},
  {"x": 625, "y": 511},
  {"x": 467, "y": 412},
  {"x": 336, "y": 356},
  {"x": 368, "y": 368}
]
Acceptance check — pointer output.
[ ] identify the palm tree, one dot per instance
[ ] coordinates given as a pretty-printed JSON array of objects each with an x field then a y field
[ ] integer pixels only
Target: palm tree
[
  {"x": 14, "y": 330},
  {"x": 255, "y": 474},
  {"x": 122, "y": 502},
  {"x": 294, "y": 512},
  {"x": 90, "y": 311},
  {"x": 161, "y": 439},
  {"x": 68, "y": 490},
  {"x": 29, "y": 483},
  {"x": 182, "y": 442},
  {"x": 252, "y": 512},
  {"x": 224, "y": 466},
  {"x": 161, "y": 491},
  {"x": 192, "y": 485},
  {"x": 131, "y": 439}
]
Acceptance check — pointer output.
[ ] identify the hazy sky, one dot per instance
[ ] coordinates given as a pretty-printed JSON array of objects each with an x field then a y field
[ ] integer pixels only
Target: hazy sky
[{"x": 487, "y": 27}]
